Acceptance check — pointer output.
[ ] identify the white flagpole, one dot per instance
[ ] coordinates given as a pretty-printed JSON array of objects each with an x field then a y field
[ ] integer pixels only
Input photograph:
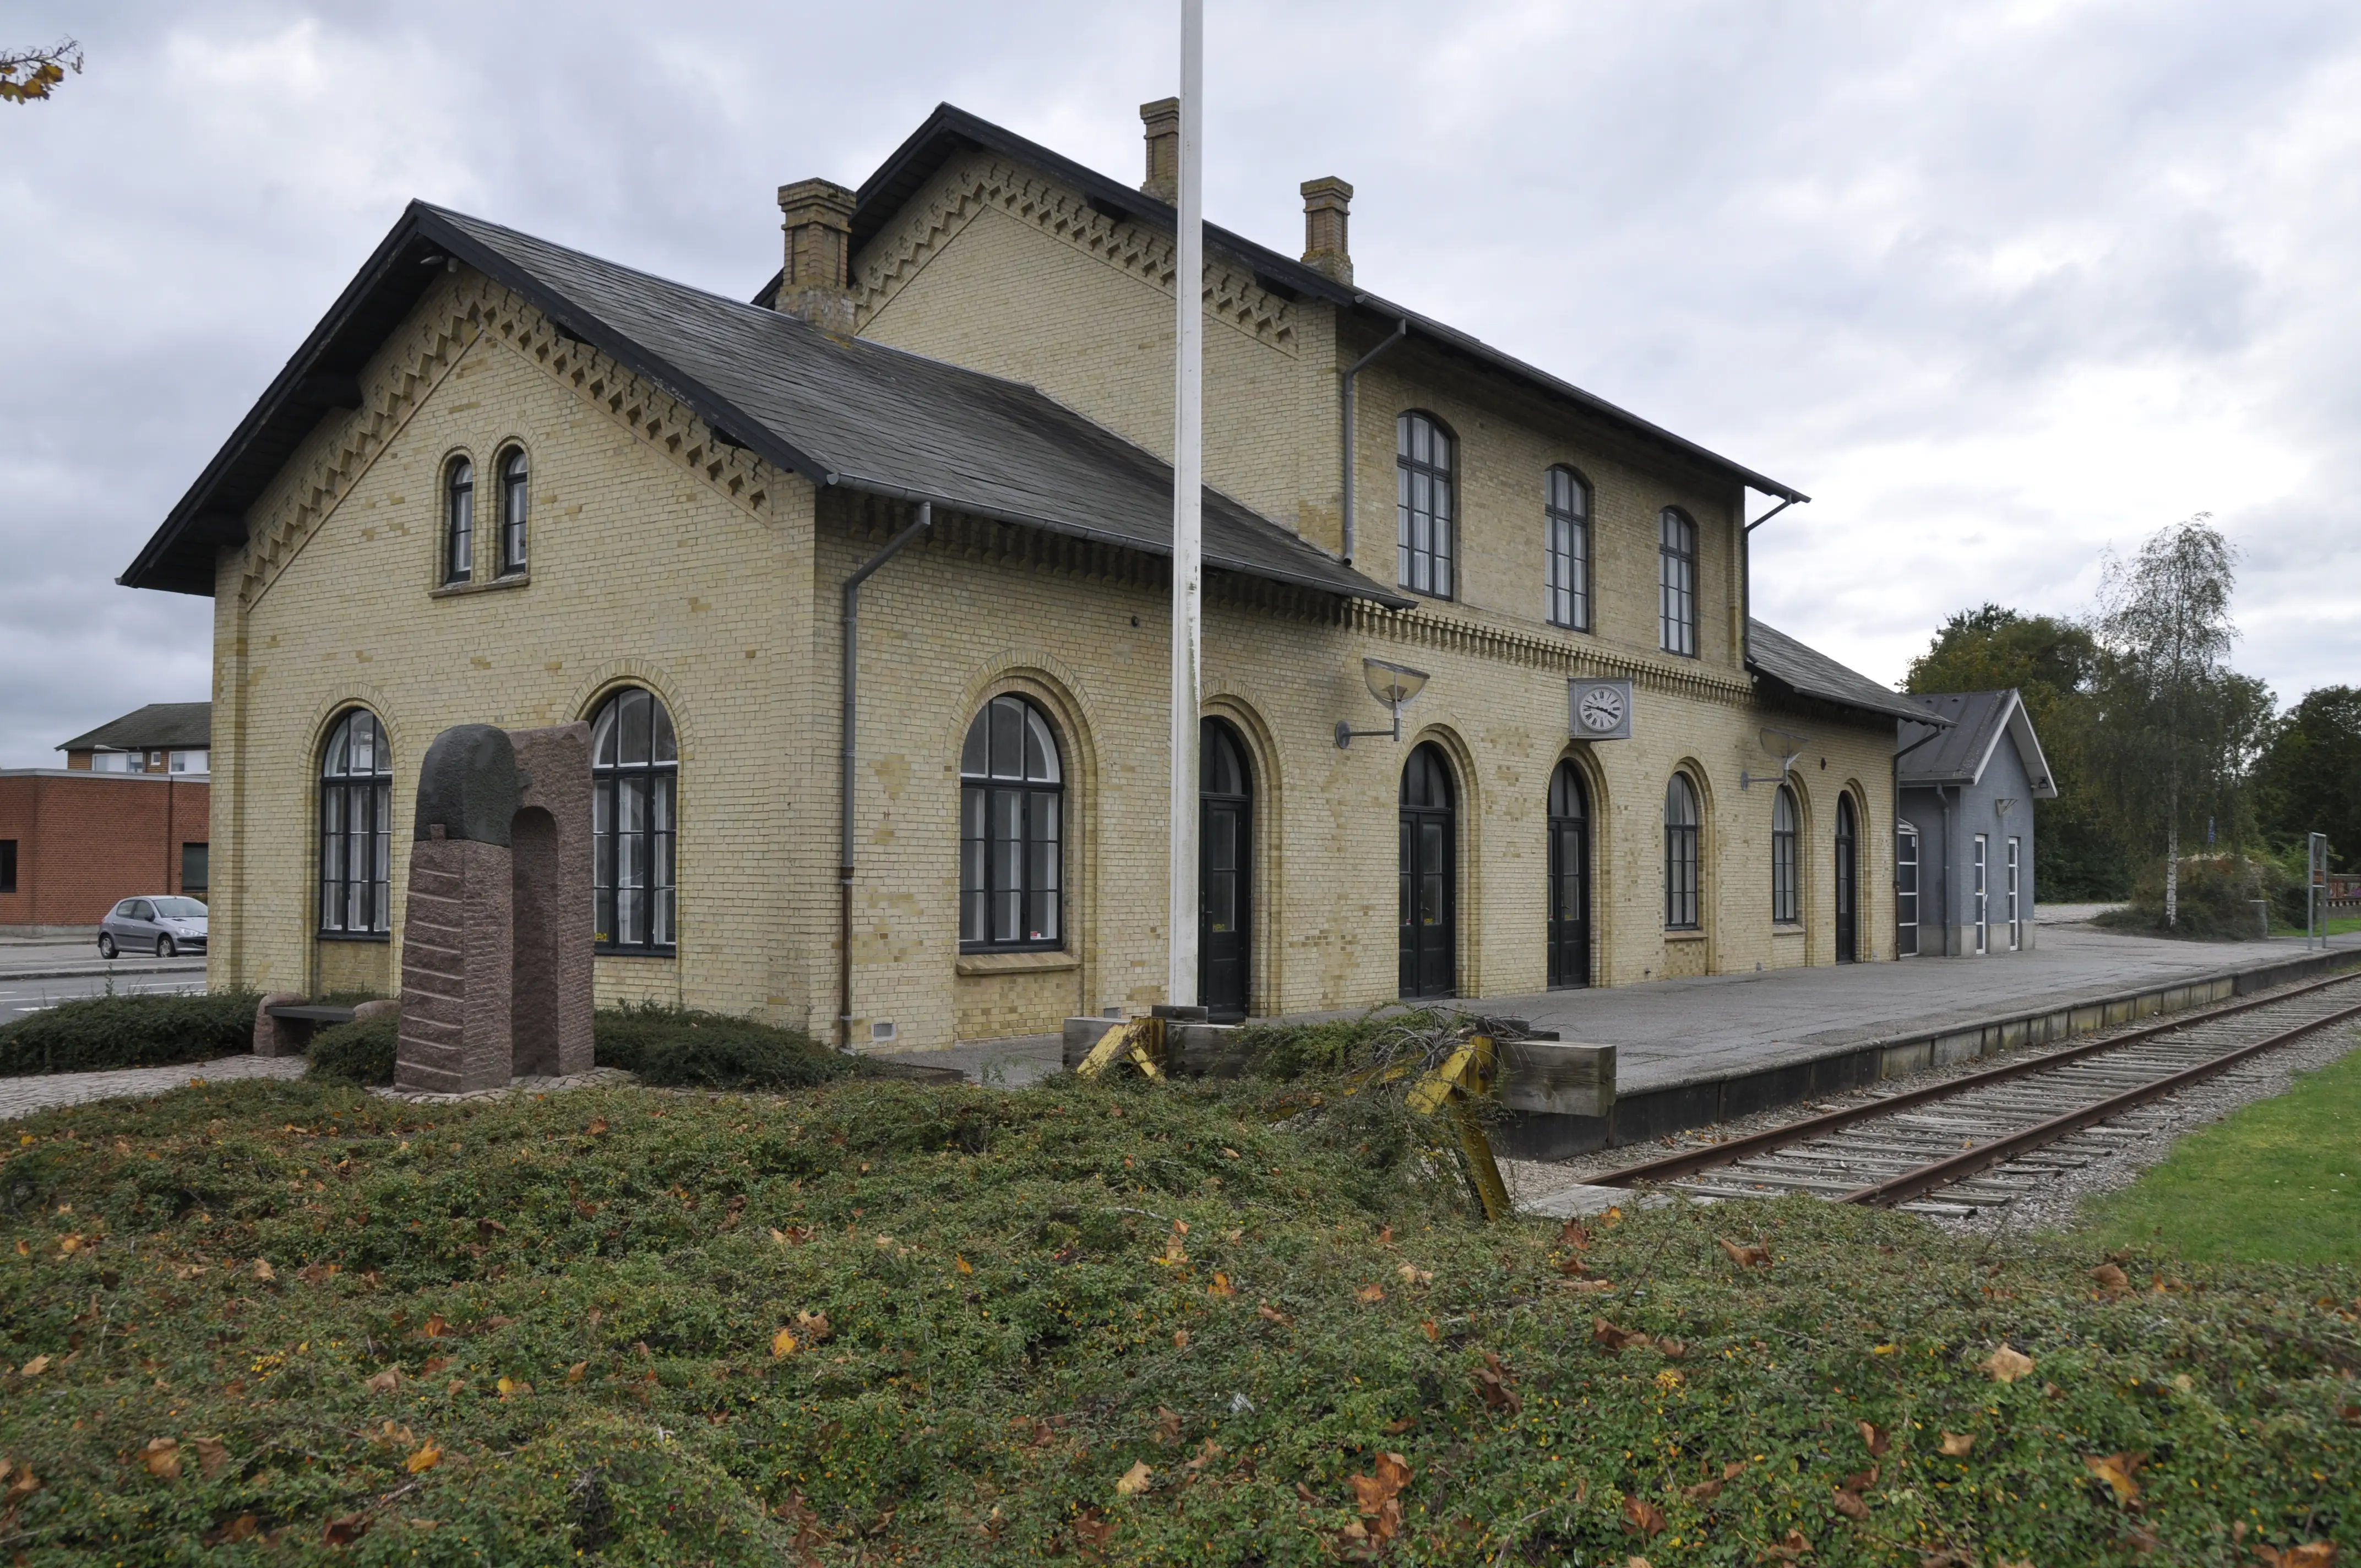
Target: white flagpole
[{"x": 1188, "y": 522}]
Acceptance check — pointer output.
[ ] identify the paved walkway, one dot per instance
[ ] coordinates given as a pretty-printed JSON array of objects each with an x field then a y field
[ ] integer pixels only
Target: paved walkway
[
  {"x": 1678, "y": 1031},
  {"x": 46, "y": 1091}
]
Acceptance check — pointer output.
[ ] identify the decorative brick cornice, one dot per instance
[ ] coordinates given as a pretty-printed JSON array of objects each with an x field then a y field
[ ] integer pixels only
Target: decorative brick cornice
[
  {"x": 416, "y": 360},
  {"x": 1427, "y": 627},
  {"x": 970, "y": 188}
]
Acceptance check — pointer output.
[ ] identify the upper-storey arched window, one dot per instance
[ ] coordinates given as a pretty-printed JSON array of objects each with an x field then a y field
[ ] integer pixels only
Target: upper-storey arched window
[
  {"x": 1682, "y": 867},
  {"x": 634, "y": 821},
  {"x": 1425, "y": 514},
  {"x": 1012, "y": 830},
  {"x": 458, "y": 521},
  {"x": 1565, "y": 538},
  {"x": 355, "y": 826},
  {"x": 515, "y": 505},
  {"x": 1784, "y": 904},
  {"x": 1677, "y": 582}
]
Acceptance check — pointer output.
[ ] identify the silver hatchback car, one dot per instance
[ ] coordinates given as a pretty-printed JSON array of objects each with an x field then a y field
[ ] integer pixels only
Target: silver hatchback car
[{"x": 165, "y": 926}]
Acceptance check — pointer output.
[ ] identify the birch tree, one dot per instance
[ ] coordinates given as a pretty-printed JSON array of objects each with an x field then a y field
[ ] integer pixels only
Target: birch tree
[{"x": 2173, "y": 710}]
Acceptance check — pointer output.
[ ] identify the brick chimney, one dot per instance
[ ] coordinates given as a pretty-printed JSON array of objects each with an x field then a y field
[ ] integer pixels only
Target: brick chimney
[
  {"x": 814, "y": 282},
  {"x": 1161, "y": 120},
  {"x": 1326, "y": 204}
]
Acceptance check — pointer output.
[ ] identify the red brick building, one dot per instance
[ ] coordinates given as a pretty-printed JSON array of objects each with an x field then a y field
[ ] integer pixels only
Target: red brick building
[{"x": 128, "y": 814}]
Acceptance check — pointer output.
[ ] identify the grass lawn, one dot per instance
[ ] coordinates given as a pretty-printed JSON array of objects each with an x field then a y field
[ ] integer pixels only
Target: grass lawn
[
  {"x": 2278, "y": 1181},
  {"x": 1237, "y": 1322}
]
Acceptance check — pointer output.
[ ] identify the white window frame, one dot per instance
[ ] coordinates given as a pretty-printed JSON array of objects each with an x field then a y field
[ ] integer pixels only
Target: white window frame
[
  {"x": 193, "y": 762},
  {"x": 1906, "y": 930},
  {"x": 2015, "y": 924},
  {"x": 1980, "y": 890}
]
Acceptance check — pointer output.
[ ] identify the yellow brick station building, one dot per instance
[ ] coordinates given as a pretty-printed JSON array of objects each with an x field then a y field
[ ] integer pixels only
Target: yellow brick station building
[{"x": 507, "y": 482}]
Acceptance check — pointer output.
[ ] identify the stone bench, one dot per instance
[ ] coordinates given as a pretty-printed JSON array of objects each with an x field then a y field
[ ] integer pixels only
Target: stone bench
[{"x": 284, "y": 1021}]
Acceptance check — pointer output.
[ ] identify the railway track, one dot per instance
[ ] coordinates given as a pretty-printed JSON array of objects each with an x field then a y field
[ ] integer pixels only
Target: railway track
[{"x": 1983, "y": 1141}]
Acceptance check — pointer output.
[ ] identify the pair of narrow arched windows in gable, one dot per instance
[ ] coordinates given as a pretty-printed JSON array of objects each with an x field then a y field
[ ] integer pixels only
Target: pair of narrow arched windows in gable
[{"x": 514, "y": 503}]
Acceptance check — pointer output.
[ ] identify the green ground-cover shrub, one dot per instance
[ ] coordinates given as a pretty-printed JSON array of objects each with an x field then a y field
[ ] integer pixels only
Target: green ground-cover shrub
[
  {"x": 269, "y": 1315},
  {"x": 358, "y": 1052},
  {"x": 96, "y": 1032},
  {"x": 684, "y": 1048}
]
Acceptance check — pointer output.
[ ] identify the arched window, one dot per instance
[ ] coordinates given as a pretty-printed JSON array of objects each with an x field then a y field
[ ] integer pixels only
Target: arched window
[
  {"x": 1785, "y": 904},
  {"x": 1681, "y": 870},
  {"x": 1565, "y": 528},
  {"x": 1012, "y": 830},
  {"x": 1423, "y": 510},
  {"x": 1676, "y": 575},
  {"x": 355, "y": 826},
  {"x": 515, "y": 504},
  {"x": 458, "y": 521},
  {"x": 634, "y": 819}
]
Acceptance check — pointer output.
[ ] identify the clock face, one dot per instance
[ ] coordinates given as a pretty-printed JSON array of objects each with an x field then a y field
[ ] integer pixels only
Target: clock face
[{"x": 1602, "y": 709}]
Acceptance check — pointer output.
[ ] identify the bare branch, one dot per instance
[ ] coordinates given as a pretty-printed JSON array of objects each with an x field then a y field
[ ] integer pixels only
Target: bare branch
[{"x": 27, "y": 75}]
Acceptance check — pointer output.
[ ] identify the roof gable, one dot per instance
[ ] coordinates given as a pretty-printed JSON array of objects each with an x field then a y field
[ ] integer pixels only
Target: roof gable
[
  {"x": 1955, "y": 736},
  {"x": 838, "y": 411},
  {"x": 950, "y": 132}
]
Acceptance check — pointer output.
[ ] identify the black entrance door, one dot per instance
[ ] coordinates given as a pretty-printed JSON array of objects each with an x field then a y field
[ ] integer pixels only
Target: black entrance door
[
  {"x": 1848, "y": 881},
  {"x": 1569, "y": 880},
  {"x": 1225, "y": 848},
  {"x": 1429, "y": 909}
]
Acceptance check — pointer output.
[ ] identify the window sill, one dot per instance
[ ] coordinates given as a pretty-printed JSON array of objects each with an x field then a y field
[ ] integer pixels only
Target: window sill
[
  {"x": 1687, "y": 934},
  {"x": 461, "y": 591},
  {"x": 1787, "y": 927},
  {"x": 1016, "y": 963},
  {"x": 664, "y": 953},
  {"x": 354, "y": 936}
]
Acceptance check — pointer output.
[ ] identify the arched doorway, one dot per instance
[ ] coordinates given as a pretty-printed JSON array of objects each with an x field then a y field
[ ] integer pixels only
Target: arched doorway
[
  {"x": 1569, "y": 880},
  {"x": 1225, "y": 855},
  {"x": 1429, "y": 905},
  {"x": 1847, "y": 887}
]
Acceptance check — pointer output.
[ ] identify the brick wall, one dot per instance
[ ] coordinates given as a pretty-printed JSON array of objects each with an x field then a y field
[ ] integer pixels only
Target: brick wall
[{"x": 85, "y": 840}]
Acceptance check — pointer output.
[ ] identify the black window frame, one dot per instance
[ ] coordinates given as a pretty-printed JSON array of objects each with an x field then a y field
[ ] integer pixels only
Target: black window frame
[
  {"x": 1430, "y": 569},
  {"x": 1030, "y": 802},
  {"x": 355, "y": 827},
  {"x": 459, "y": 520},
  {"x": 1565, "y": 546},
  {"x": 650, "y": 853},
  {"x": 1684, "y": 855},
  {"x": 1786, "y": 891},
  {"x": 8, "y": 865},
  {"x": 515, "y": 470},
  {"x": 1676, "y": 582},
  {"x": 204, "y": 856}
]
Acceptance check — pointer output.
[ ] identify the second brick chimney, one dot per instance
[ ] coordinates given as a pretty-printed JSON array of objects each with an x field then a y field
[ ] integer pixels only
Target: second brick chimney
[
  {"x": 815, "y": 281},
  {"x": 1326, "y": 205},
  {"x": 1161, "y": 121}
]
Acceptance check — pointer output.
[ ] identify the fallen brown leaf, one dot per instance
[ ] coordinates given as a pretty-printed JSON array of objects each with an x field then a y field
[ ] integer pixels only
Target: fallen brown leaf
[
  {"x": 2117, "y": 1470},
  {"x": 813, "y": 1326},
  {"x": 1850, "y": 1505},
  {"x": 1206, "y": 1455},
  {"x": 1272, "y": 1315},
  {"x": 2310, "y": 1554},
  {"x": 597, "y": 1127},
  {"x": 1133, "y": 1480},
  {"x": 348, "y": 1529},
  {"x": 386, "y": 1382},
  {"x": 1642, "y": 1516},
  {"x": 1607, "y": 1336},
  {"x": 36, "y": 1366},
  {"x": 435, "y": 1326},
  {"x": 2007, "y": 1364},
  {"x": 575, "y": 1373},
  {"x": 1411, "y": 1275},
  {"x": 213, "y": 1454},
  {"x": 1306, "y": 1493},
  {"x": 246, "y": 1527},
  {"x": 162, "y": 1458},
  {"x": 1167, "y": 1425},
  {"x": 1955, "y": 1444},
  {"x": 428, "y": 1457},
  {"x": 1179, "y": 1339},
  {"x": 1220, "y": 1285},
  {"x": 1370, "y": 1293},
  {"x": 1795, "y": 1547},
  {"x": 1385, "y": 1236},
  {"x": 1875, "y": 1438},
  {"x": 1704, "y": 1491},
  {"x": 1091, "y": 1532},
  {"x": 1747, "y": 1254},
  {"x": 1395, "y": 1428},
  {"x": 1572, "y": 1234},
  {"x": 1672, "y": 1349},
  {"x": 2111, "y": 1279},
  {"x": 1861, "y": 1481}
]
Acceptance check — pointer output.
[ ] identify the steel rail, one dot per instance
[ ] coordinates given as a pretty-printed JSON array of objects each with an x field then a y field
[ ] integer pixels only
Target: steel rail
[
  {"x": 1690, "y": 1161},
  {"x": 1943, "y": 1172}
]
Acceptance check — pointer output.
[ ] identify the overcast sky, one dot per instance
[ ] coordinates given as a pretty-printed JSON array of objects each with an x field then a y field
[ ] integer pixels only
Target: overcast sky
[{"x": 2000, "y": 285}]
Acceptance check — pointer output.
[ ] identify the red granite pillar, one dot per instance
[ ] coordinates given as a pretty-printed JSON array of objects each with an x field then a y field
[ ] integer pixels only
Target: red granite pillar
[{"x": 458, "y": 968}]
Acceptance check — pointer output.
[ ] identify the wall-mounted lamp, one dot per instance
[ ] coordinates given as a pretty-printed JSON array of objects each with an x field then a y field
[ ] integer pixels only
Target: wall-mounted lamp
[{"x": 1391, "y": 683}]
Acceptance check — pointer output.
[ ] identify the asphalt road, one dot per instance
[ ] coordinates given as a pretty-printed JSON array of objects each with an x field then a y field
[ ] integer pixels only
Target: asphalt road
[{"x": 19, "y": 997}]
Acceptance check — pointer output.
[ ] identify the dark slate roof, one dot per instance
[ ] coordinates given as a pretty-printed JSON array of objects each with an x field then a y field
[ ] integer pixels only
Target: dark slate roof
[
  {"x": 838, "y": 411},
  {"x": 158, "y": 727},
  {"x": 1784, "y": 664},
  {"x": 950, "y": 131},
  {"x": 1959, "y": 753}
]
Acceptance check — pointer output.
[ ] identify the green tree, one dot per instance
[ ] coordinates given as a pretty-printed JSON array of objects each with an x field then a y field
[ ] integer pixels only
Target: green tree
[
  {"x": 26, "y": 74},
  {"x": 2178, "y": 728},
  {"x": 2307, "y": 779},
  {"x": 2054, "y": 664}
]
